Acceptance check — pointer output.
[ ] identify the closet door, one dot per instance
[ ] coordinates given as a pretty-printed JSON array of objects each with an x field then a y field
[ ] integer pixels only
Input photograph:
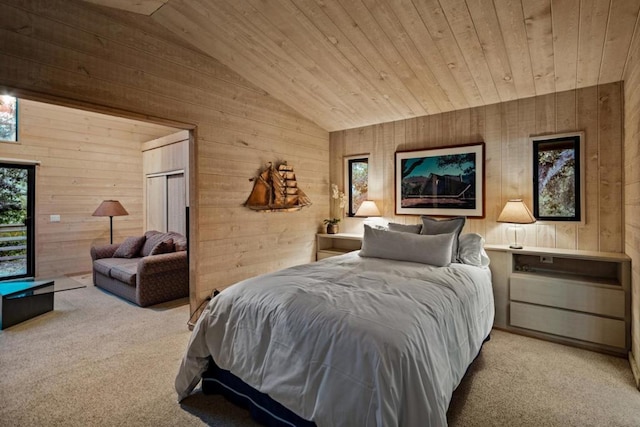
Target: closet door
[
  {"x": 157, "y": 203},
  {"x": 176, "y": 203}
]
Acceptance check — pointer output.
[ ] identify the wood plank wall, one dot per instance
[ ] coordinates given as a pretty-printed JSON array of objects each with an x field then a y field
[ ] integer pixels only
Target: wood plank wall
[
  {"x": 78, "y": 52},
  {"x": 632, "y": 191},
  {"x": 85, "y": 158},
  {"x": 505, "y": 128}
]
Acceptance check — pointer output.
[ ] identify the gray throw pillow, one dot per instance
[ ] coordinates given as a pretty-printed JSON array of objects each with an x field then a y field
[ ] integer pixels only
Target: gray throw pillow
[
  {"x": 129, "y": 248},
  {"x": 431, "y": 226},
  {"x": 432, "y": 250},
  {"x": 405, "y": 228},
  {"x": 164, "y": 247},
  {"x": 153, "y": 238}
]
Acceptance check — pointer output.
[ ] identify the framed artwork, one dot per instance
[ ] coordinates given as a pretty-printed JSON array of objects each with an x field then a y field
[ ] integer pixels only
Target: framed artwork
[
  {"x": 445, "y": 181},
  {"x": 8, "y": 119},
  {"x": 558, "y": 177}
]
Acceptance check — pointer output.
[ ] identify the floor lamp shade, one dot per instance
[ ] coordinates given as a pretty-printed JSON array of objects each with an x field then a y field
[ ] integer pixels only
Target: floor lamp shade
[
  {"x": 515, "y": 212},
  {"x": 110, "y": 208}
]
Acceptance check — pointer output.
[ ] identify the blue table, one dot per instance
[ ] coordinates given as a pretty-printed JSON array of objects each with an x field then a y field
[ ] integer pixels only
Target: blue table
[{"x": 27, "y": 298}]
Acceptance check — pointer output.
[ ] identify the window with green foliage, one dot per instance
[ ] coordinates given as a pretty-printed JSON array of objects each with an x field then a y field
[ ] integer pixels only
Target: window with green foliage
[
  {"x": 8, "y": 118},
  {"x": 357, "y": 184},
  {"x": 17, "y": 186},
  {"x": 558, "y": 177}
]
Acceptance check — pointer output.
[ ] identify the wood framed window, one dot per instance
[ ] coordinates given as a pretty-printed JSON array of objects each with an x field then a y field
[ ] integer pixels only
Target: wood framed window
[
  {"x": 8, "y": 119},
  {"x": 558, "y": 177},
  {"x": 356, "y": 181}
]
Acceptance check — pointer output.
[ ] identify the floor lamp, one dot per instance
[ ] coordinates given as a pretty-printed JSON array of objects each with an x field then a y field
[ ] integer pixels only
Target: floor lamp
[{"x": 110, "y": 208}]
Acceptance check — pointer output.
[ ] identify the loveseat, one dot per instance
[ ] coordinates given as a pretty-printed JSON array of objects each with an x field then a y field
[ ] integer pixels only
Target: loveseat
[{"x": 145, "y": 270}]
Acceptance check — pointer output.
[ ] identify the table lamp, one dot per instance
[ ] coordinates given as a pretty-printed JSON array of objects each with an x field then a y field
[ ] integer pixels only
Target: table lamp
[
  {"x": 368, "y": 209},
  {"x": 515, "y": 212}
]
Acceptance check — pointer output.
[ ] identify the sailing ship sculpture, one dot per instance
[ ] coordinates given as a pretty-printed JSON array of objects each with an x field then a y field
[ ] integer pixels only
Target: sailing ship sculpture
[{"x": 275, "y": 189}]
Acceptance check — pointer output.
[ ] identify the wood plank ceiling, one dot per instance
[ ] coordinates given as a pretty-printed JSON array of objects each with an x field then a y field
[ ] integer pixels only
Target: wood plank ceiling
[{"x": 352, "y": 63}]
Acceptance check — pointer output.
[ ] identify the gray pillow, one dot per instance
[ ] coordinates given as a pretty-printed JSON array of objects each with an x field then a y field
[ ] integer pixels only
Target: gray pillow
[
  {"x": 432, "y": 250},
  {"x": 163, "y": 247},
  {"x": 153, "y": 238},
  {"x": 471, "y": 250},
  {"x": 130, "y": 247},
  {"x": 405, "y": 228},
  {"x": 433, "y": 226}
]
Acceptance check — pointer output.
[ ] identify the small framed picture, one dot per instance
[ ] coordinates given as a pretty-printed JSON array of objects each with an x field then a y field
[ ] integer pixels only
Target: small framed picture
[
  {"x": 558, "y": 177},
  {"x": 446, "y": 181}
]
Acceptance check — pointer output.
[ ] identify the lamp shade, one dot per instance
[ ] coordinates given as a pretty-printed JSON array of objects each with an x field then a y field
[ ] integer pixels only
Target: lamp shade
[
  {"x": 516, "y": 212},
  {"x": 368, "y": 208},
  {"x": 110, "y": 208}
]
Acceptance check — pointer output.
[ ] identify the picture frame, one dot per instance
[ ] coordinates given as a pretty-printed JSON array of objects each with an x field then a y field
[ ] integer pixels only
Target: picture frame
[
  {"x": 443, "y": 181},
  {"x": 558, "y": 177}
]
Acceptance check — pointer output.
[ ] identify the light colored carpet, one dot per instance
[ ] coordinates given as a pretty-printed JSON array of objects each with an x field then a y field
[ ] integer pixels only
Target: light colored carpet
[{"x": 100, "y": 361}]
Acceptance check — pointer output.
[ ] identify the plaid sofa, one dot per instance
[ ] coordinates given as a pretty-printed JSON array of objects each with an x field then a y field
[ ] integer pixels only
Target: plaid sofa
[{"x": 144, "y": 278}]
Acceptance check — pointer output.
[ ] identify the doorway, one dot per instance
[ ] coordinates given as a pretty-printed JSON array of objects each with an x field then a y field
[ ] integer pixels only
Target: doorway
[{"x": 17, "y": 207}]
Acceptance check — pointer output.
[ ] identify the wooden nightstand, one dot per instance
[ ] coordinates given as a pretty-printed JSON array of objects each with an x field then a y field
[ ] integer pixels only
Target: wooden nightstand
[
  {"x": 575, "y": 297},
  {"x": 337, "y": 244}
]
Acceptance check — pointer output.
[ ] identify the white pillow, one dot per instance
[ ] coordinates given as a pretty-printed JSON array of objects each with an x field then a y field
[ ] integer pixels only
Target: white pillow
[
  {"x": 471, "y": 250},
  {"x": 425, "y": 249}
]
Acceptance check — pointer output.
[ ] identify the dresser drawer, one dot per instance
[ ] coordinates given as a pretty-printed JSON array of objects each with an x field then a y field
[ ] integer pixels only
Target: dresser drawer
[
  {"x": 569, "y": 324},
  {"x": 571, "y": 295}
]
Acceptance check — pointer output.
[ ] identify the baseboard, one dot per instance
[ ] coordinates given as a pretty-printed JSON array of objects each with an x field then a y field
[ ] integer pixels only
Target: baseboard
[{"x": 635, "y": 369}]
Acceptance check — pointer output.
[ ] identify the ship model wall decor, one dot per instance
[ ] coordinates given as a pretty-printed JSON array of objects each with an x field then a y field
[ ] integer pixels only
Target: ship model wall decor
[{"x": 275, "y": 189}]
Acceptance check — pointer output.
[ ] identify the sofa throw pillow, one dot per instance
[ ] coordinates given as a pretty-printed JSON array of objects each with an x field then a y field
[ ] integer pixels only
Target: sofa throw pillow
[
  {"x": 405, "y": 228},
  {"x": 163, "y": 247},
  {"x": 130, "y": 247},
  {"x": 153, "y": 238},
  {"x": 179, "y": 241},
  {"x": 433, "y": 226},
  {"x": 432, "y": 250}
]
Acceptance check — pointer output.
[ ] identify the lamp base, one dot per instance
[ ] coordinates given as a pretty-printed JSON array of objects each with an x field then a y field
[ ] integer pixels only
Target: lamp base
[{"x": 515, "y": 235}]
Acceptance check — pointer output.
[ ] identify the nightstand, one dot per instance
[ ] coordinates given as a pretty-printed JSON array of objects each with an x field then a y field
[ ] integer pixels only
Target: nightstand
[
  {"x": 337, "y": 244},
  {"x": 575, "y": 297}
]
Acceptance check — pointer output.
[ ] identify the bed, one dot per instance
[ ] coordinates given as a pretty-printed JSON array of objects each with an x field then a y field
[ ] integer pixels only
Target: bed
[{"x": 352, "y": 340}]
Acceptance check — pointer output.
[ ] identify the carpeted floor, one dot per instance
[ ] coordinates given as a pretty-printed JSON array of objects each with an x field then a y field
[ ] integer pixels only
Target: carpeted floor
[{"x": 100, "y": 361}]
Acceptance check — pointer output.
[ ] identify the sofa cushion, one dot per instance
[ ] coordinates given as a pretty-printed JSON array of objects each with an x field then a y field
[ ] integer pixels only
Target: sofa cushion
[
  {"x": 152, "y": 239},
  {"x": 125, "y": 273},
  {"x": 130, "y": 247},
  {"x": 179, "y": 241},
  {"x": 104, "y": 265},
  {"x": 150, "y": 233},
  {"x": 163, "y": 247}
]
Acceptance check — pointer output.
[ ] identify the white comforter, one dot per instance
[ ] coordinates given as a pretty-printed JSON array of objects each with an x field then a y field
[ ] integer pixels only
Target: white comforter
[{"x": 349, "y": 341}]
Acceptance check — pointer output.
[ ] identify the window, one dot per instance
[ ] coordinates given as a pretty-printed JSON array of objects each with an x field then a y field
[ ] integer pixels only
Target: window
[
  {"x": 8, "y": 118},
  {"x": 557, "y": 178},
  {"x": 357, "y": 182}
]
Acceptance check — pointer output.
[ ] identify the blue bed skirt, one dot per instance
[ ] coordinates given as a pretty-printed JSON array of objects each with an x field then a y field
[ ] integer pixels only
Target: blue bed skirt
[{"x": 263, "y": 408}]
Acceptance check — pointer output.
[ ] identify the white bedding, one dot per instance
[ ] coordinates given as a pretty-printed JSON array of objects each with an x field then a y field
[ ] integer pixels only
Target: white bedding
[{"x": 349, "y": 341}]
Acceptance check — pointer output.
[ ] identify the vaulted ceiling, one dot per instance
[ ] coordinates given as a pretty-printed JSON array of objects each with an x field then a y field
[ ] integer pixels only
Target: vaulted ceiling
[{"x": 351, "y": 63}]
